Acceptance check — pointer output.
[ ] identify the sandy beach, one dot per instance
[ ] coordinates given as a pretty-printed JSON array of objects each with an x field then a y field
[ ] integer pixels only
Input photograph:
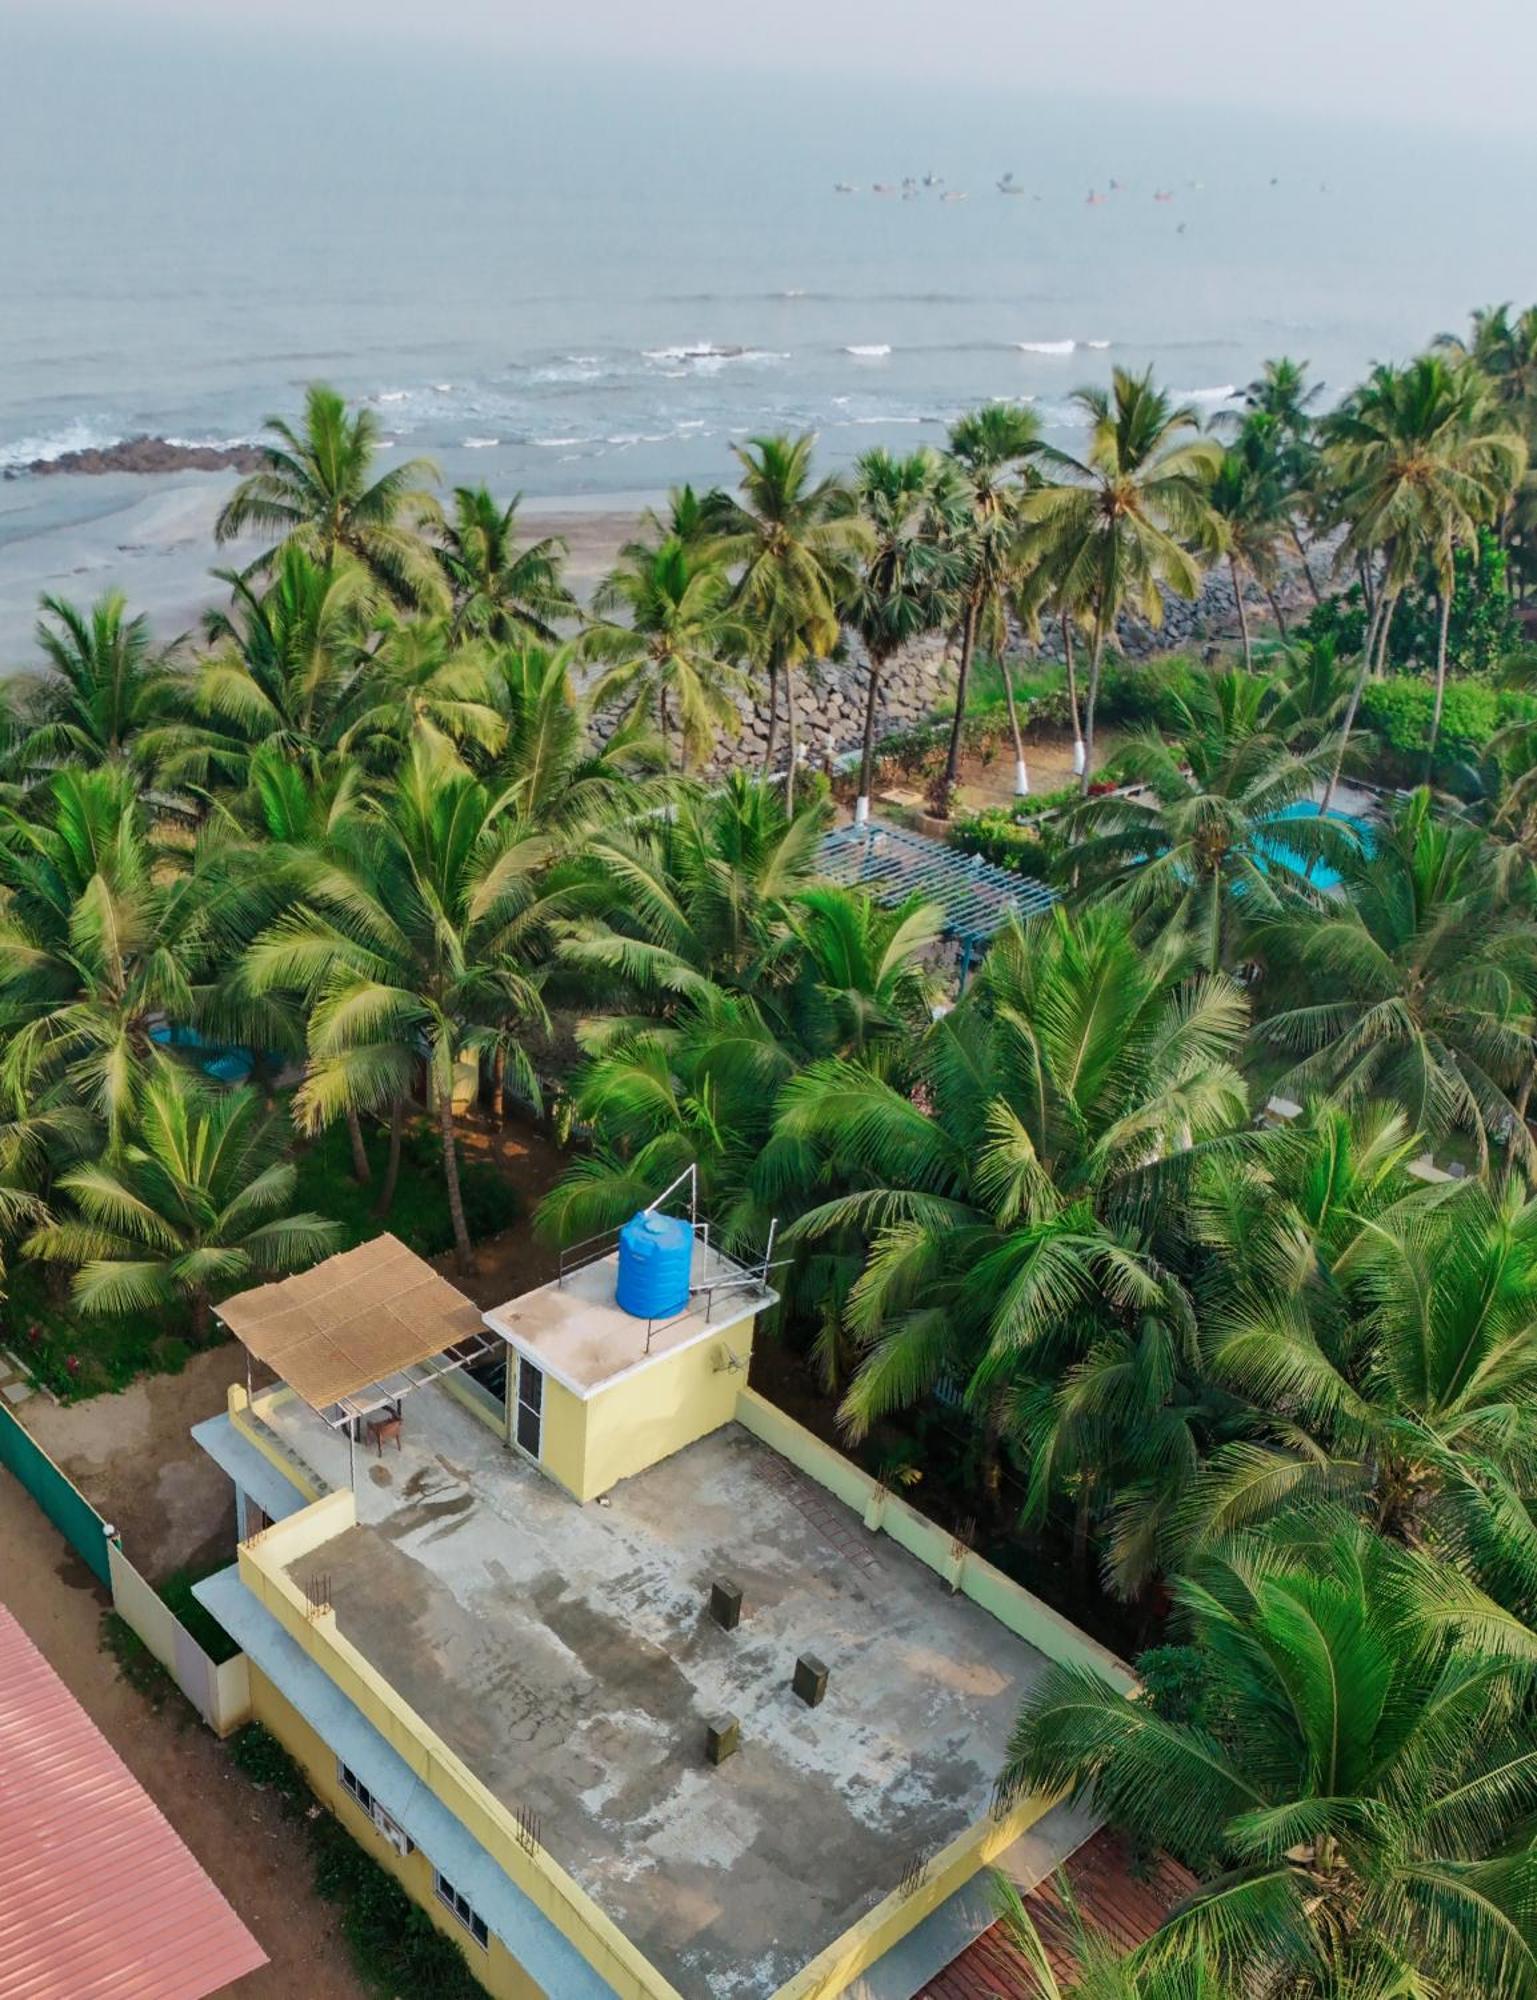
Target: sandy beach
[{"x": 152, "y": 538}]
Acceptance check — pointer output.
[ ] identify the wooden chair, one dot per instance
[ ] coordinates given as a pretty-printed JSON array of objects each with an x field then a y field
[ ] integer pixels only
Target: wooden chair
[{"x": 386, "y": 1424}]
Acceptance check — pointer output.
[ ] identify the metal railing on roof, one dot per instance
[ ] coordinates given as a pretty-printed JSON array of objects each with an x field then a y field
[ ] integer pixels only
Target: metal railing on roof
[{"x": 893, "y": 863}]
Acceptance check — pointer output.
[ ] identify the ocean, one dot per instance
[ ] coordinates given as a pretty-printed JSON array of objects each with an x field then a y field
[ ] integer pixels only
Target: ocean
[{"x": 580, "y": 283}]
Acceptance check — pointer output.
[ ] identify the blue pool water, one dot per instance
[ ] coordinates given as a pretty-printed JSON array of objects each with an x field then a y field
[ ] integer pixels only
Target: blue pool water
[
  {"x": 1323, "y": 876},
  {"x": 225, "y": 1062}
]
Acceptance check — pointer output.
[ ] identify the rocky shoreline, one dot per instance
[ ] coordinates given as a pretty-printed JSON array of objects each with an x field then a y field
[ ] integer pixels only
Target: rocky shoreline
[{"x": 145, "y": 455}]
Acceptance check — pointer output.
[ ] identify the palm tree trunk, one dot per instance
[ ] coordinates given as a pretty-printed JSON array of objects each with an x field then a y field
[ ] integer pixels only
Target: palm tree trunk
[
  {"x": 867, "y": 757},
  {"x": 1276, "y": 612},
  {"x": 202, "y": 1316},
  {"x": 772, "y": 741},
  {"x": 1435, "y": 713},
  {"x": 386, "y": 1199},
  {"x": 463, "y": 1255},
  {"x": 1302, "y": 557},
  {"x": 1072, "y": 696},
  {"x": 1376, "y": 641},
  {"x": 1243, "y": 614},
  {"x": 962, "y": 684},
  {"x": 666, "y": 736},
  {"x": 361, "y": 1171},
  {"x": 792, "y": 745},
  {"x": 1021, "y": 775},
  {"x": 1095, "y": 657}
]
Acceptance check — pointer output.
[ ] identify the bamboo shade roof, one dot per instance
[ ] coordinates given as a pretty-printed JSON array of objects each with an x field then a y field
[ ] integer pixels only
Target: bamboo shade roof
[{"x": 354, "y": 1321}]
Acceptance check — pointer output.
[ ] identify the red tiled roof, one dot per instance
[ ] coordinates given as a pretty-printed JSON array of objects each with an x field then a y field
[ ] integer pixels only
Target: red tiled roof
[
  {"x": 1109, "y": 1899},
  {"x": 99, "y": 1899}
]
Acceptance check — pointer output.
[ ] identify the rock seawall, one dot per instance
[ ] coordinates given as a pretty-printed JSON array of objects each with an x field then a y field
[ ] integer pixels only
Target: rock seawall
[{"x": 832, "y": 693}]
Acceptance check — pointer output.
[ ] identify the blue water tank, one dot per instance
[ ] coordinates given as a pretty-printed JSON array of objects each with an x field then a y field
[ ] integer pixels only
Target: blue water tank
[{"x": 656, "y": 1261}]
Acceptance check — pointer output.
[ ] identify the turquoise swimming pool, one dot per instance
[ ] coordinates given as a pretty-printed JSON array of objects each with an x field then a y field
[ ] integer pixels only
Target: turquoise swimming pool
[{"x": 1323, "y": 876}]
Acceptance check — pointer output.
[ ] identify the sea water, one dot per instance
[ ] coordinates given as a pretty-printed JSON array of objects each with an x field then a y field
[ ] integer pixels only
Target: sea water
[{"x": 572, "y": 281}]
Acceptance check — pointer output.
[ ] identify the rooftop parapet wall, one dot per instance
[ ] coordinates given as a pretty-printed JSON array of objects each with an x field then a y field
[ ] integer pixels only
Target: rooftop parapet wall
[
  {"x": 263, "y": 1562},
  {"x": 1024, "y": 1614}
]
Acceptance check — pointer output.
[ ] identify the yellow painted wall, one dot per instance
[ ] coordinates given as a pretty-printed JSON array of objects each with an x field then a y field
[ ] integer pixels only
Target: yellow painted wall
[
  {"x": 1000, "y": 1596},
  {"x": 563, "y": 1438},
  {"x": 264, "y": 1560},
  {"x": 494, "y": 1966},
  {"x": 662, "y": 1407},
  {"x": 589, "y": 1445}
]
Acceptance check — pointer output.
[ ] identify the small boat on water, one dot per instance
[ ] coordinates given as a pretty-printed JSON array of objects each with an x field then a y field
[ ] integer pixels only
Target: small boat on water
[
  {"x": 1162, "y": 194},
  {"x": 844, "y": 187},
  {"x": 1094, "y": 199},
  {"x": 885, "y": 187},
  {"x": 953, "y": 194},
  {"x": 933, "y": 180},
  {"x": 1008, "y": 185}
]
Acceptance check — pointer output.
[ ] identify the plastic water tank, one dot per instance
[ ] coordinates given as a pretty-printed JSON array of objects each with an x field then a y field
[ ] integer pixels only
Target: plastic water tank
[{"x": 656, "y": 1261}]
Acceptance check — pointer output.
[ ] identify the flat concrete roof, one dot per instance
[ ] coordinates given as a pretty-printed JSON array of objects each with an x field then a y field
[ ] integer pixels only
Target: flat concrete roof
[
  {"x": 575, "y": 1329},
  {"x": 567, "y": 1655}
]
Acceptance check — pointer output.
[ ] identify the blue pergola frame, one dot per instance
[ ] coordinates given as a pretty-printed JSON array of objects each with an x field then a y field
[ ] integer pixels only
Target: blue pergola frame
[{"x": 893, "y": 864}]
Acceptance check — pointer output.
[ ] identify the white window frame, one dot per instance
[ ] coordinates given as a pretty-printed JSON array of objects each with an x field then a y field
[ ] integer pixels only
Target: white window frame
[
  {"x": 355, "y": 1789},
  {"x": 462, "y": 1909}
]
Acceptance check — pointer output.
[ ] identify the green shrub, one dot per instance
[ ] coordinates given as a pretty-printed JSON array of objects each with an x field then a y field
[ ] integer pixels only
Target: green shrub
[
  {"x": 1177, "y": 1683},
  {"x": 395, "y": 1946},
  {"x": 260, "y": 1757},
  {"x": 1398, "y": 711},
  {"x": 1013, "y": 839},
  {"x": 78, "y": 1357}
]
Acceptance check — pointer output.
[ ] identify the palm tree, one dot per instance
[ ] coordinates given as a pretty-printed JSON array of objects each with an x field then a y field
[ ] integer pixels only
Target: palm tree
[
  {"x": 501, "y": 591},
  {"x": 415, "y": 944},
  {"x": 1097, "y": 1967},
  {"x": 1384, "y": 1334},
  {"x": 285, "y": 666},
  {"x": 104, "y": 933},
  {"x": 906, "y": 577},
  {"x": 697, "y": 898},
  {"x": 1410, "y": 985},
  {"x": 697, "y": 1092},
  {"x": 669, "y": 654},
  {"x": 1248, "y": 518},
  {"x": 1118, "y": 523},
  {"x": 791, "y": 540},
  {"x": 316, "y": 489},
  {"x": 559, "y": 778},
  {"x": 423, "y": 685},
  {"x": 1278, "y": 405},
  {"x": 987, "y": 450},
  {"x": 1359, "y": 1799},
  {"x": 104, "y": 690},
  {"x": 1421, "y": 458},
  {"x": 194, "y": 1205},
  {"x": 1212, "y": 850},
  {"x": 1007, "y": 1207}
]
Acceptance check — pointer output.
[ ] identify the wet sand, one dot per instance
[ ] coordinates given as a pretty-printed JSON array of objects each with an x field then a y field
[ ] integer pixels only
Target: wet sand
[{"x": 152, "y": 538}]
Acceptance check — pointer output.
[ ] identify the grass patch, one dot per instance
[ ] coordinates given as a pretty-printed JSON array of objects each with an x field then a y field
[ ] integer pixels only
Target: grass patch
[
  {"x": 143, "y": 1672},
  {"x": 76, "y": 1357},
  {"x": 176, "y": 1594},
  {"x": 395, "y": 1947},
  {"x": 419, "y": 1215}
]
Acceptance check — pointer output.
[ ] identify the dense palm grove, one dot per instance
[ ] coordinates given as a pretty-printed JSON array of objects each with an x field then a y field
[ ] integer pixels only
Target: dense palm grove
[{"x": 424, "y": 841}]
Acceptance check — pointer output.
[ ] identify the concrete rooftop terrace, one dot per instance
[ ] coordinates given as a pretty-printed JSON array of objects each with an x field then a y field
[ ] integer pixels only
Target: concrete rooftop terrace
[
  {"x": 577, "y": 1331},
  {"x": 566, "y": 1654}
]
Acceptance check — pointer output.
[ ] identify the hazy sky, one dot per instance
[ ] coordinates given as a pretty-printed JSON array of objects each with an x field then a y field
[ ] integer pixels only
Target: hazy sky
[{"x": 1407, "y": 60}]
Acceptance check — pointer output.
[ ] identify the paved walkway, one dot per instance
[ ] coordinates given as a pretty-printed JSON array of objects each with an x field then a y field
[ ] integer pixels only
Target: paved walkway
[{"x": 259, "y": 1861}]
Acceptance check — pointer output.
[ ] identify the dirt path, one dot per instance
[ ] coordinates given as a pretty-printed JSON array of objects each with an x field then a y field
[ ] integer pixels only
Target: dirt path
[
  {"x": 133, "y": 1457},
  {"x": 259, "y": 1862}
]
